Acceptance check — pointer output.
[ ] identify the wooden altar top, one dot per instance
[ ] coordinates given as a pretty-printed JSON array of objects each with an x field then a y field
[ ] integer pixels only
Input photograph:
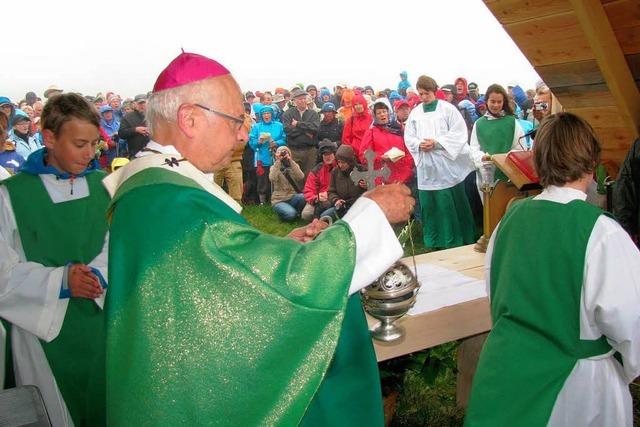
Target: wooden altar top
[{"x": 447, "y": 324}]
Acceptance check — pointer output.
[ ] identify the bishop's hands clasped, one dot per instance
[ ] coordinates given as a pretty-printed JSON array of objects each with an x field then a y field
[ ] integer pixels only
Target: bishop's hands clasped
[
  {"x": 395, "y": 201},
  {"x": 83, "y": 283}
]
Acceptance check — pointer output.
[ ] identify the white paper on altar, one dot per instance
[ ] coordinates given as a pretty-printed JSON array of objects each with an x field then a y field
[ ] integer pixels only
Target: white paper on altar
[{"x": 442, "y": 288}]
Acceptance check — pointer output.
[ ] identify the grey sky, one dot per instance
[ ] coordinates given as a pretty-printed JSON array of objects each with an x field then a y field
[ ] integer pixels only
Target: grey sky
[{"x": 122, "y": 47}]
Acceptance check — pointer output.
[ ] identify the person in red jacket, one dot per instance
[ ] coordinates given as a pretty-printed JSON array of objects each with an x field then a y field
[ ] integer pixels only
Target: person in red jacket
[
  {"x": 384, "y": 135},
  {"x": 317, "y": 184},
  {"x": 357, "y": 124}
]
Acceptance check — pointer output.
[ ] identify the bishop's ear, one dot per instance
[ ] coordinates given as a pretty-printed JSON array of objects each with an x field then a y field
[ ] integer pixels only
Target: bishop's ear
[{"x": 187, "y": 120}]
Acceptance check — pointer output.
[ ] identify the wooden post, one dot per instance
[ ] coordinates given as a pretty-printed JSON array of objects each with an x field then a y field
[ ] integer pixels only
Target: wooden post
[
  {"x": 610, "y": 58},
  {"x": 468, "y": 355}
]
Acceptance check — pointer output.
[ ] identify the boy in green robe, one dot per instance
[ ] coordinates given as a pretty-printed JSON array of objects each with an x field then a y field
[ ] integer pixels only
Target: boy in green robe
[
  {"x": 564, "y": 283},
  {"x": 53, "y": 231},
  {"x": 209, "y": 321}
]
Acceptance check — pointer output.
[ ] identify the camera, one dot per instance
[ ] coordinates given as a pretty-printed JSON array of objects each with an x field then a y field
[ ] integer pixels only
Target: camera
[
  {"x": 285, "y": 162},
  {"x": 540, "y": 106}
]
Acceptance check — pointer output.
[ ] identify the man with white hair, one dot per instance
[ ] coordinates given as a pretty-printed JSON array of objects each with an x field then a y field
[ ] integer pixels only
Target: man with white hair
[{"x": 210, "y": 321}]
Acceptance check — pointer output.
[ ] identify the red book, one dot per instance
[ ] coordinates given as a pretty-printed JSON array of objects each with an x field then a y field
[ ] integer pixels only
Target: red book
[{"x": 523, "y": 160}]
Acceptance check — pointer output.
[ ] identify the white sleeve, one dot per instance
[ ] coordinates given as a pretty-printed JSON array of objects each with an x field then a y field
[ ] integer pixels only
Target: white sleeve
[
  {"x": 411, "y": 139},
  {"x": 456, "y": 137},
  {"x": 611, "y": 292},
  {"x": 29, "y": 292},
  {"x": 377, "y": 246},
  {"x": 101, "y": 263},
  {"x": 474, "y": 145}
]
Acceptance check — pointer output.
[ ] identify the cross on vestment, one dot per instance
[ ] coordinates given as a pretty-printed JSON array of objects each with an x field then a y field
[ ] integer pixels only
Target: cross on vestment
[{"x": 369, "y": 176}]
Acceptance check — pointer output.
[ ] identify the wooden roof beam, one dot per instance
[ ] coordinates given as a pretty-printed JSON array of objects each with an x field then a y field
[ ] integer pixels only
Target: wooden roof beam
[{"x": 608, "y": 53}]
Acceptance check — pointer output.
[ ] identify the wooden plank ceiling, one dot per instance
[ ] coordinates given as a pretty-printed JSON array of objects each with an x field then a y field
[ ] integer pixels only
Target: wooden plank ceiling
[{"x": 553, "y": 35}]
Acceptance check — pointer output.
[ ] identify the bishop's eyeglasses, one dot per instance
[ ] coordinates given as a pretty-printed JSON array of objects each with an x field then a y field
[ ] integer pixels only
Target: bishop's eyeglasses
[{"x": 237, "y": 120}]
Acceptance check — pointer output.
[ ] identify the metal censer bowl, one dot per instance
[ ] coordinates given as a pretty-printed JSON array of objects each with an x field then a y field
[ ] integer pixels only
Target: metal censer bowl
[{"x": 389, "y": 298}]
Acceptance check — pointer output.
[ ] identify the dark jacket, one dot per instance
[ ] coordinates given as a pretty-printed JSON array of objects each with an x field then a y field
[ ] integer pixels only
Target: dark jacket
[
  {"x": 626, "y": 197},
  {"x": 130, "y": 122},
  {"x": 303, "y": 135},
  {"x": 331, "y": 131},
  {"x": 341, "y": 187}
]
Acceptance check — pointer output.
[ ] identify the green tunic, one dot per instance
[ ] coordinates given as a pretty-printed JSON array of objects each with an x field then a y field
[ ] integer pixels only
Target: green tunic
[
  {"x": 54, "y": 234},
  {"x": 210, "y": 322},
  {"x": 446, "y": 217},
  {"x": 536, "y": 279},
  {"x": 496, "y": 137}
]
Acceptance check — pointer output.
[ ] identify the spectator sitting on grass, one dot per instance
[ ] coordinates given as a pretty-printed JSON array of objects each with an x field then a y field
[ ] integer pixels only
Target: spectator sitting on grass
[
  {"x": 316, "y": 186},
  {"x": 285, "y": 176}
]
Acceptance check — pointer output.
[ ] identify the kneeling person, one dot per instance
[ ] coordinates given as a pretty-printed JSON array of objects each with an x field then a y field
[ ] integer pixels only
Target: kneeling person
[
  {"x": 53, "y": 232},
  {"x": 285, "y": 176}
]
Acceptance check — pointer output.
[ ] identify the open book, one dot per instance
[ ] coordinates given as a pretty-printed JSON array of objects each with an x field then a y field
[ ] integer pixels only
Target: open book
[{"x": 394, "y": 154}]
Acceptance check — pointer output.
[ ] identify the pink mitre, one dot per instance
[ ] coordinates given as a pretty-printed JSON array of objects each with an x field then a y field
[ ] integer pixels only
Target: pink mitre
[{"x": 188, "y": 68}]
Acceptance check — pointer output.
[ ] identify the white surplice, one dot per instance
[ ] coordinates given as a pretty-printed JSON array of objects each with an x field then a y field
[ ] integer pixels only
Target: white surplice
[
  {"x": 596, "y": 393},
  {"x": 449, "y": 162},
  {"x": 30, "y": 299}
]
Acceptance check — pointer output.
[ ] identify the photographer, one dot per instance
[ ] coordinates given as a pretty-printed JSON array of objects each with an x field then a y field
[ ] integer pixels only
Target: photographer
[
  {"x": 342, "y": 191},
  {"x": 285, "y": 176}
]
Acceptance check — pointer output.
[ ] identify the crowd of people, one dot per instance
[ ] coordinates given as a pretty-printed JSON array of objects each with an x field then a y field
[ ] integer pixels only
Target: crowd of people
[
  {"x": 210, "y": 321},
  {"x": 313, "y": 123}
]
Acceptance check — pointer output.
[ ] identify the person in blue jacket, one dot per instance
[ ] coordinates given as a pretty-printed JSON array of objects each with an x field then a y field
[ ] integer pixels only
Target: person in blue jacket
[
  {"x": 404, "y": 84},
  {"x": 265, "y": 137}
]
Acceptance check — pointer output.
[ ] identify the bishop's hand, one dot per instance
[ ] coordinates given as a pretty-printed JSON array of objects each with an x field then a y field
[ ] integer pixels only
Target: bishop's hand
[
  {"x": 395, "y": 201},
  {"x": 309, "y": 232},
  {"x": 83, "y": 283}
]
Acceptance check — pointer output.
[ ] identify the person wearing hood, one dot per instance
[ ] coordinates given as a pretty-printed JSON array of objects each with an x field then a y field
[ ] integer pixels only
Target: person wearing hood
[
  {"x": 312, "y": 90},
  {"x": 462, "y": 91},
  {"x": 109, "y": 122},
  {"x": 497, "y": 132},
  {"x": 325, "y": 96},
  {"x": 386, "y": 138},
  {"x": 53, "y": 258},
  {"x": 404, "y": 84},
  {"x": 436, "y": 137},
  {"x": 10, "y": 161},
  {"x": 7, "y": 107},
  {"x": 395, "y": 96},
  {"x": 21, "y": 137},
  {"x": 316, "y": 186},
  {"x": 343, "y": 192},
  {"x": 357, "y": 125},
  {"x": 265, "y": 137},
  {"x": 519, "y": 96},
  {"x": 346, "y": 106}
]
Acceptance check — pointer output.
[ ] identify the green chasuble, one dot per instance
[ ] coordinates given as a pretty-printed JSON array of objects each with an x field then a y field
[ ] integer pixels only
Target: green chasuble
[
  {"x": 536, "y": 278},
  {"x": 211, "y": 322},
  {"x": 54, "y": 234},
  {"x": 496, "y": 137}
]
